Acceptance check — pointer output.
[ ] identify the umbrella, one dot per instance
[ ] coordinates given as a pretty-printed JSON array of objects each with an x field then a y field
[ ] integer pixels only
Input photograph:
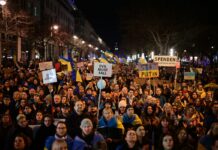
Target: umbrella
[{"x": 211, "y": 85}]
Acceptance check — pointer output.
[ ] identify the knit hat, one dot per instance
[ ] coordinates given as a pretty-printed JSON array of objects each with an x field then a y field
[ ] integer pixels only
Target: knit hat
[
  {"x": 86, "y": 122},
  {"x": 122, "y": 103}
]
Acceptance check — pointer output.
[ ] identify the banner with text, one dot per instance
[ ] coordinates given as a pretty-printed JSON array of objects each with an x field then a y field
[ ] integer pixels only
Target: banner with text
[
  {"x": 149, "y": 70},
  {"x": 102, "y": 69},
  {"x": 45, "y": 65},
  {"x": 166, "y": 61}
]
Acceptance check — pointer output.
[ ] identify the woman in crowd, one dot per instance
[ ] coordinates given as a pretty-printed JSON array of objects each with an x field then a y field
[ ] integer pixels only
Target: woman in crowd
[
  {"x": 183, "y": 140},
  {"x": 20, "y": 142},
  {"x": 167, "y": 142},
  {"x": 130, "y": 142}
]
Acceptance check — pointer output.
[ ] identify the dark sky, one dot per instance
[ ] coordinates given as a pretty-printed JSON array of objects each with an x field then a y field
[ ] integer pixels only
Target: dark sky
[{"x": 105, "y": 15}]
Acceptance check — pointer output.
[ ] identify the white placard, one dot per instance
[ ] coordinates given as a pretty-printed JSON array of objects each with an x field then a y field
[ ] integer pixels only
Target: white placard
[
  {"x": 49, "y": 76},
  {"x": 101, "y": 69},
  {"x": 167, "y": 61},
  {"x": 45, "y": 65}
]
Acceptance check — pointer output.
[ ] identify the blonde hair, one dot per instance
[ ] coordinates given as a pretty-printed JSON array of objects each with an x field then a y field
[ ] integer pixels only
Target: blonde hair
[
  {"x": 59, "y": 145},
  {"x": 107, "y": 110}
]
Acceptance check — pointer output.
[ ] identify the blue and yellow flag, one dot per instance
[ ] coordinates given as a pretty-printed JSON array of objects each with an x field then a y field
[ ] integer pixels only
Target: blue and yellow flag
[
  {"x": 78, "y": 77},
  {"x": 102, "y": 60},
  {"x": 64, "y": 61}
]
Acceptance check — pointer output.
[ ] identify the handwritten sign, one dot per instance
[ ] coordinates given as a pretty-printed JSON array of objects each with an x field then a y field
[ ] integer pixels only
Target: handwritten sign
[
  {"x": 45, "y": 65},
  {"x": 102, "y": 69}
]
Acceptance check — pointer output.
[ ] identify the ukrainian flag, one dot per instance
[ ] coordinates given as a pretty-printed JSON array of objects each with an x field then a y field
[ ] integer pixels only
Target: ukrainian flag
[
  {"x": 108, "y": 54},
  {"x": 103, "y": 60},
  {"x": 65, "y": 61},
  {"x": 78, "y": 77}
]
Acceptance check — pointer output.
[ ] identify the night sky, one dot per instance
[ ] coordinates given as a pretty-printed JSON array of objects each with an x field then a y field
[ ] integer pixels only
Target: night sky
[{"x": 107, "y": 16}]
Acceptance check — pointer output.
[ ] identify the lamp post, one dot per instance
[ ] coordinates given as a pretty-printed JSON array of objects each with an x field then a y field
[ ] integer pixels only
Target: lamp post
[
  {"x": 48, "y": 50},
  {"x": 2, "y": 3}
]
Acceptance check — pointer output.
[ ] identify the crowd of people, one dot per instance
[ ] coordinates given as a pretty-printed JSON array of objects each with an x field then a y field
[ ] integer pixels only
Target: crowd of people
[{"x": 133, "y": 114}]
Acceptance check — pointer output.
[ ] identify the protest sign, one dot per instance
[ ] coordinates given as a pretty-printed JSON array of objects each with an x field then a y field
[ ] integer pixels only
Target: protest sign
[
  {"x": 102, "y": 70},
  {"x": 149, "y": 70},
  {"x": 189, "y": 75},
  {"x": 49, "y": 76},
  {"x": 45, "y": 65},
  {"x": 167, "y": 61}
]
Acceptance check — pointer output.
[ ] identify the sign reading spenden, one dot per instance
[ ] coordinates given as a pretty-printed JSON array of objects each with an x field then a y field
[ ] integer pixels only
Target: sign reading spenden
[{"x": 101, "y": 69}]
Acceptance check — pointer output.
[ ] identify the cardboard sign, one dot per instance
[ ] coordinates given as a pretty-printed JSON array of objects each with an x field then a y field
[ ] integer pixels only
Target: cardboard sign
[
  {"x": 150, "y": 70},
  {"x": 89, "y": 76},
  {"x": 102, "y": 69},
  {"x": 45, "y": 65},
  {"x": 49, "y": 76},
  {"x": 149, "y": 74},
  {"x": 167, "y": 61},
  {"x": 189, "y": 75},
  {"x": 199, "y": 70}
]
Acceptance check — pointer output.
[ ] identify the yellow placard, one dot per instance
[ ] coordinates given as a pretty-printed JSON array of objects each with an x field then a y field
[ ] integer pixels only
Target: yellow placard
[{"x": 149, "y": 74}]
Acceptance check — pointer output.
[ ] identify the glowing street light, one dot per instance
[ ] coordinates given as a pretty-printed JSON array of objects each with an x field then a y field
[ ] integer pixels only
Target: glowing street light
[
  {"x": 2, "y": 2},
  {"x": 75, "y": 37},
  {"x": 152, "y": 55},
  {"x": 171, "y": 52}
]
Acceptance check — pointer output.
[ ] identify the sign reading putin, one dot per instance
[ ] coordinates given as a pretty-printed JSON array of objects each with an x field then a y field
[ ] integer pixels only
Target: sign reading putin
[{"x": 102, "y": 70}]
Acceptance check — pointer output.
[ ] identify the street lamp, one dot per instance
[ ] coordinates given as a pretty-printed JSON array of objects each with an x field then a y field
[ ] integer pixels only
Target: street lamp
[
  {"x": 2, "y": 3},
  {"x": 171, "y": 52},
  {"x": 54, "y": 29}
]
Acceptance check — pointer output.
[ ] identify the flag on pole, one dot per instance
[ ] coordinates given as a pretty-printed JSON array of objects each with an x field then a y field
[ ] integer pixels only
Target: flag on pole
[
  {"x": 65, "y": 61},
  {"x": 78, "y": 77}
]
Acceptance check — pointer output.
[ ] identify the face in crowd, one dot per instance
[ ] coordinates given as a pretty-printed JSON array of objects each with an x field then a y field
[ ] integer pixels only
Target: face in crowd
[
  {"x": 130, "y": 111},
  {"x": 19, "y": 143},
  {"x": 131, "y": 136},
  {"x": 168, "y": 142},
  {"x": 107, "y": 113},
  {"x": 47, "y": 121},
  {"x": 59, "y": 145},
  {"x": 61, "y": 129},
  {"x": 79, "y": 107}
]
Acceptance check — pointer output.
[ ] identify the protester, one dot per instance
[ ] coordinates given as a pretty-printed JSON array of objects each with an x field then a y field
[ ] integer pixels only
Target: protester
[
  {"x": 88, "y": 138},
  {"x": 61, "y": 134},
  {"x": 162, "y": 105}
]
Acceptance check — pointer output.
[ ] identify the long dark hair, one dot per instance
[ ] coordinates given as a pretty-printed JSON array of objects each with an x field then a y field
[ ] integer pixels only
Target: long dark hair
[{"x": 25, "y": 138}]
